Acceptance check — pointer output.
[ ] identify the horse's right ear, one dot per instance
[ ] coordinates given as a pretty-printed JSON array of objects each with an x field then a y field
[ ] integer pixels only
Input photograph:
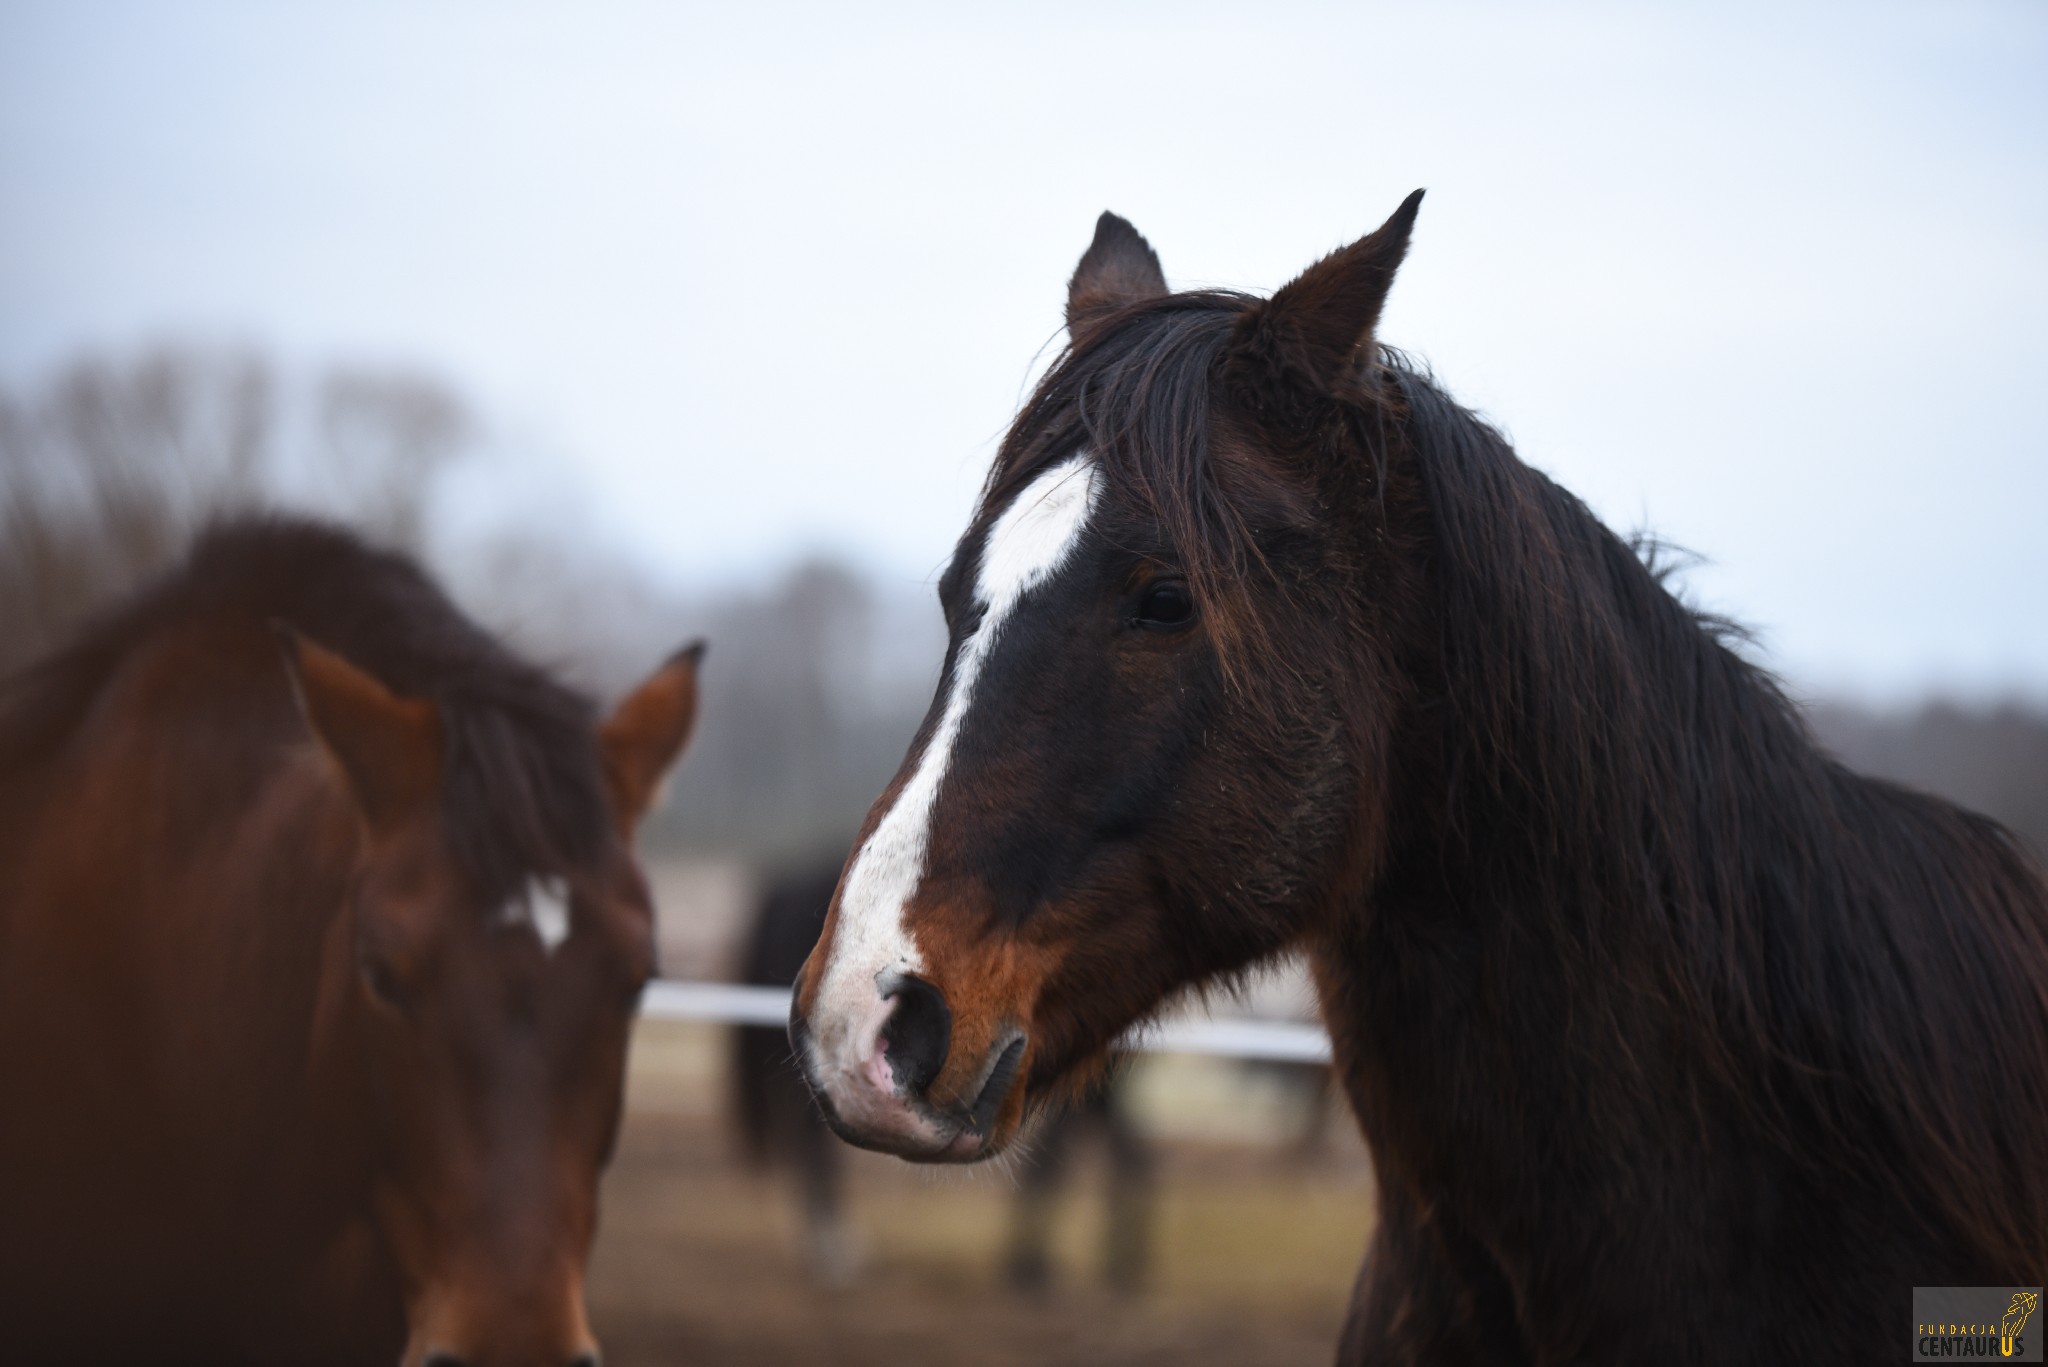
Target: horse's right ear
[
  {"x": 1316, "y": 330},
  {"x": 1118, "y": 268},
  {"x": 387, "y": 748}
]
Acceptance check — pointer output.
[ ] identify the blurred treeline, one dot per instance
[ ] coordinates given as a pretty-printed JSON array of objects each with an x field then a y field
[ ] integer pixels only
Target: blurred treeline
[
  {"x": 814, "y": 682},
  {"x": 813, "y": 685},
  {"x": 1994, "y": 759},
  {"x": 107, "y": 468}
]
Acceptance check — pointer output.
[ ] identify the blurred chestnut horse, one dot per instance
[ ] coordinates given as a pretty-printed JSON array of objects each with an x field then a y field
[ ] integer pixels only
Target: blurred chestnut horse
[
  {"x": 1673, "y": 1041},
  {"x": 320, "y": 941}
]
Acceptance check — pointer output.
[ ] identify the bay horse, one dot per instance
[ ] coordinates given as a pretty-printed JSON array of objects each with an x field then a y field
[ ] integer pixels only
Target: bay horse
[
  {"x": 1672, "y": 1040},
  {"x": 320, "y": 943}
]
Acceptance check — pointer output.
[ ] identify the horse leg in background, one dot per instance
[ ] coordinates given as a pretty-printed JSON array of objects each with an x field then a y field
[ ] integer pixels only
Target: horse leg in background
[
  {"x": 777, "y": 1117},
  {"x": 1040, "y": 1175},
  {"x": 1133, "y": 1189},
  {"x": 779, "y": 1125},
  {"x": 830, "y": 1246}
]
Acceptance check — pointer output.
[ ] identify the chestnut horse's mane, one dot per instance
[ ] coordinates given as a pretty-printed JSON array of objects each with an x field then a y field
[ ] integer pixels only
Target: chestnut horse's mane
[
  {"x": 1843, "y": 960},
  {"x": 522, "y": 789}
]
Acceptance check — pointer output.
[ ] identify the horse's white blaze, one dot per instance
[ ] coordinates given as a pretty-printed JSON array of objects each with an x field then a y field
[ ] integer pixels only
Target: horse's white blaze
[
  {"x": 544, "y": 905},
  {"x": 1028, "y": 544}
]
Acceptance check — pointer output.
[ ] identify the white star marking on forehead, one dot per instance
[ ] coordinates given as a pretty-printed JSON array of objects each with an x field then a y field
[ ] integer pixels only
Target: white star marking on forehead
[{"x": 543, "y": 904}]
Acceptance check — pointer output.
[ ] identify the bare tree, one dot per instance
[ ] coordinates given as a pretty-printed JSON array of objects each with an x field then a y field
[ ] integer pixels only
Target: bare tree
[
  {"x": 108, "y": 468},
  {"x": 813, "y": 687},
  {"x": 387, "y": 435}
]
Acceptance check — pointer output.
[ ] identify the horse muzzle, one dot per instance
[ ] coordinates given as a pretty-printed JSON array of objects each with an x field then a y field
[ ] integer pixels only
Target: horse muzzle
[{"x": 899, "y": 1076}]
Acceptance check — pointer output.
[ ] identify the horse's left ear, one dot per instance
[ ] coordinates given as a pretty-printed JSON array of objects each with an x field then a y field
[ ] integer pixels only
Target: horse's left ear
[
  {"x": 646, "y": 732},
  {"x": 1118, "y": 268},
  {"x": 1314, "y": 327}
]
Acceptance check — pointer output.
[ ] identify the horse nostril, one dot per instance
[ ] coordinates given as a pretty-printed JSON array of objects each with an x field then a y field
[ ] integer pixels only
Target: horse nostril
[
  {"x": 437, "y": 1358},
  {"x": 584, "y": 1360},
  {"x": 998, "y": 1085},
  {"x": 919, "y": 1032}
]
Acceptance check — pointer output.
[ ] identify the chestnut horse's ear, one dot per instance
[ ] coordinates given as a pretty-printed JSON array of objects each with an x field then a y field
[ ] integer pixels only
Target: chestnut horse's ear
[
  {"x": 388, "y": 748},
  {"x": 1314, "y": 327},
  {"x": 646, "y": 732},
  {"x": 1118, "y": 268}
]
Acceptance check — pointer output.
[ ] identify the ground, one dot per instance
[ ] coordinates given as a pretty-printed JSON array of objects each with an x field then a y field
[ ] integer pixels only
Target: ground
[{"x": 699, "y": 1261}]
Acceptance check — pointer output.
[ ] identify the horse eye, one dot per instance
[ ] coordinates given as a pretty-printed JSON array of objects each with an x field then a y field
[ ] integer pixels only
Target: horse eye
[
  {"x": 1166, "y": 604},
  {"x": 383, "y": 982}
]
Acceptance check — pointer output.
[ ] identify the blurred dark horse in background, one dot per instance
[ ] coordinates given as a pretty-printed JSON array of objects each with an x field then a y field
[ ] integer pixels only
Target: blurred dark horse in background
[
  {"x": 1673, "y": 1040},
  {"x": 1102, "y": 1109},
  {"x": 779, "y": 1122},
  {"x": 320, "y": 942}
]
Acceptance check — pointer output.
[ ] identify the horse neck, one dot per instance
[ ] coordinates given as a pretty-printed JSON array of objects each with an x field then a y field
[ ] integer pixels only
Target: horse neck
[
  {"x": 236, "y": 850},
  {"x": 1627, "y": 907},
  {"x": 1543, "y": 797},
  {"x": 299, "y": 840},
  {"x": 1570, "y": 707}
]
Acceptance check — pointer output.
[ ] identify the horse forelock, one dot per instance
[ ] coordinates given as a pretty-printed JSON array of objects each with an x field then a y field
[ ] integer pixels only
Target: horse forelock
[
  {"x": 523, "y": 792},
  {"x": 1138, "y": 391}
]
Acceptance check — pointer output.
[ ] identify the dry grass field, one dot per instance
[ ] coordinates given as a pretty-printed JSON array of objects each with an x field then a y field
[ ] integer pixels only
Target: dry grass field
[{"x": 699, "y": 1259}]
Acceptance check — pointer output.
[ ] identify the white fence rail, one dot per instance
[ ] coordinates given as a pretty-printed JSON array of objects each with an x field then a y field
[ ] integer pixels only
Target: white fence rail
[{"x": 1224, "y": 1037}]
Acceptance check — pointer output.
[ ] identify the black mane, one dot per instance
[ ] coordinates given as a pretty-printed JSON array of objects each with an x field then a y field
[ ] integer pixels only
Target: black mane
[
  {"x": 522, "y": 788},
  {"x": 1660, "y": 801}
]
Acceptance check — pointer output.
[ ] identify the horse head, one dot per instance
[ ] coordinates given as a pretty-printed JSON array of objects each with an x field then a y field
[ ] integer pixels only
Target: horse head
[
  {"x": 482, "y": 984},
  {"x": 1134, "y": 776}
]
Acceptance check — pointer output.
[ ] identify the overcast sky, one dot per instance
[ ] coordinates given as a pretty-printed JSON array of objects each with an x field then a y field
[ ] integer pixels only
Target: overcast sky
[{"x": 1770, "y": 279}]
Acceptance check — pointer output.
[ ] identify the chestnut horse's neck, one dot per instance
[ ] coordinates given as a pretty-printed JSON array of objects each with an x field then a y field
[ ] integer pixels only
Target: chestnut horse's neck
[{"x": 173, "y": 983}]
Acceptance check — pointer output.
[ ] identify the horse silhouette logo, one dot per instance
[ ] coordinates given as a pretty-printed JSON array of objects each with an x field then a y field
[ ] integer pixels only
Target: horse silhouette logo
[{"x": 2016, "y": 1316}]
